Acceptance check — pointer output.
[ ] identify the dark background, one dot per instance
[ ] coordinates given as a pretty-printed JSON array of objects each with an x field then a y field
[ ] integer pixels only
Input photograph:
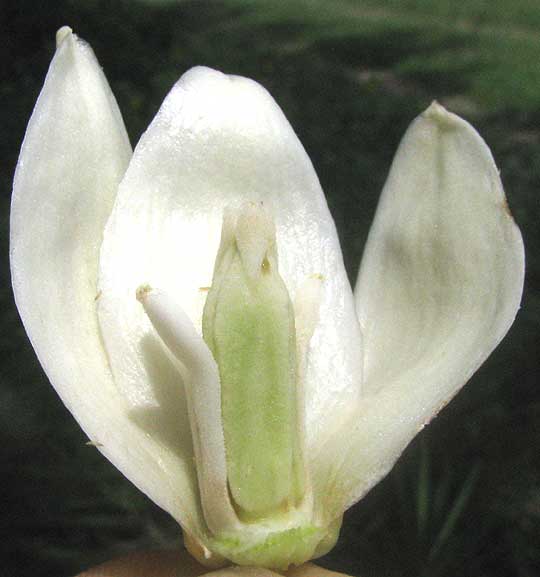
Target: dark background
[{"x": 465, "y": 497}]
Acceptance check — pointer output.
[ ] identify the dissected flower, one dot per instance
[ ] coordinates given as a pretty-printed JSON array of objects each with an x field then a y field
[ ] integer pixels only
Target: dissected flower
[{"x": 190, "y": 305}]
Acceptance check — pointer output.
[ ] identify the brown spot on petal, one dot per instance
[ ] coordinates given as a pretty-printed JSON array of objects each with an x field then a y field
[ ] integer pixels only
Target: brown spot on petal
[
  {"x": 506, "y": 208},
  {"x": 202, "y": 555},
  {"x": 93, "y": 444}
]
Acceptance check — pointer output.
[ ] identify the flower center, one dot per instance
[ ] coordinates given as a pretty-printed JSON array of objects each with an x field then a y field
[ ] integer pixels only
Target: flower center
[{"x": 244, "y": 390}]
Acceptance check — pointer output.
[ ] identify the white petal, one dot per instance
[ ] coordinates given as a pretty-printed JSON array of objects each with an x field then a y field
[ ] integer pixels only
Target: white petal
[
  {"x": 74, "y": 154},
  {"x": 219, "y": 141},
  {"x": 439, "y": 286}
]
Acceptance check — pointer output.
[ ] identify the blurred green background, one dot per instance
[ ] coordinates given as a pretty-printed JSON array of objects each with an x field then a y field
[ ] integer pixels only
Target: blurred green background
[{"x": 350, "y": 75}]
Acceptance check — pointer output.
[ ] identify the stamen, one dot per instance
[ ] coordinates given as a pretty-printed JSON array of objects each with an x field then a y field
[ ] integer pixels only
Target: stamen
[{"x": 204, "y": 403}]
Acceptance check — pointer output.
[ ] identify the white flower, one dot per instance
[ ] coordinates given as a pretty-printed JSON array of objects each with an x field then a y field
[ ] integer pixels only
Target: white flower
[{"x": 336, "y": 383}]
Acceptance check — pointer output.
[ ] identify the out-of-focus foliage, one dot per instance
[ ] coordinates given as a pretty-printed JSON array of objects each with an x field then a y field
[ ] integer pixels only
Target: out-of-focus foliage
[{"x": 350, "y": 76}]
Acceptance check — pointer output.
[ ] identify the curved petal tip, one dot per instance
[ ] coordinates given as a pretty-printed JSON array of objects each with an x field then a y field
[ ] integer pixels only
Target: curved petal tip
[{"x": 62, "y": 34}]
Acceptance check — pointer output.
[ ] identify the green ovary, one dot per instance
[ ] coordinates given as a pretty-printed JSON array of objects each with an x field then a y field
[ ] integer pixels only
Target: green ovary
[{"x": 248, "y": 324}]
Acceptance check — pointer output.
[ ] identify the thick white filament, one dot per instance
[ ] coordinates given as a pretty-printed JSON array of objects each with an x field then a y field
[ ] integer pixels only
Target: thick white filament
[{"x": 204, "y": 404}]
